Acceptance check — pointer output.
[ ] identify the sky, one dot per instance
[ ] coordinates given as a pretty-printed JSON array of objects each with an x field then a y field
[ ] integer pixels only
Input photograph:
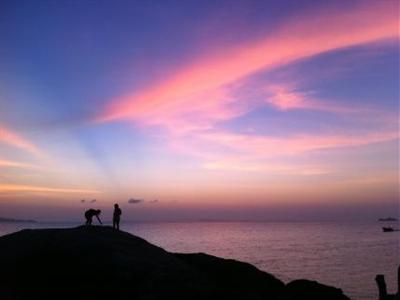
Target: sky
[{"x": 199, "y": 110}]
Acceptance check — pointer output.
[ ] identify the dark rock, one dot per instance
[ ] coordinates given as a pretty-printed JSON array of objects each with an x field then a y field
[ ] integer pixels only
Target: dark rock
[
  {"x": 312, "y": 290},
  {"x": 99, "y": 263},
  {"x": 230, "y": 278}
]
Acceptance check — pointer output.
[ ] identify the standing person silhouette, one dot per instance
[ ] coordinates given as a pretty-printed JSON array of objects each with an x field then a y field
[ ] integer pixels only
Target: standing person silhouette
[
  {"x": 90, "y": 213},
  {"x": 116, "y": 216}
]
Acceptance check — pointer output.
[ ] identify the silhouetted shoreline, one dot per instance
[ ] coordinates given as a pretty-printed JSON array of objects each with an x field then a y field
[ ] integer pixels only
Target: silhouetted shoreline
[{"x": 99, "y": 262}]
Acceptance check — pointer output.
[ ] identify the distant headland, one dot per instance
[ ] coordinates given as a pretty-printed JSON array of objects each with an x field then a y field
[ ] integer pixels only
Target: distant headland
[
  {"x": 9, "y": 220},
  {"x": 388, "y": 219}
]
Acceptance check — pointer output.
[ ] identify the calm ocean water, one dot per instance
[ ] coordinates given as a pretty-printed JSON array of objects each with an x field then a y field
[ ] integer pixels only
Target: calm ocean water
[{"x": 345, "y": 255}]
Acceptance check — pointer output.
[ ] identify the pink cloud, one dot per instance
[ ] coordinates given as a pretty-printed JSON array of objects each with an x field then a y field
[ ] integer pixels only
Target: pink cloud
[
  {"x": 218, "y": 149},
  {"x": 14, "y": 164},
  {"x": 275, "y": 168},
  {"x": 286, "y": 97},
  {"x": 264, "y": 146},
  {"x": 14, "y": 139},
  {"x": 6, "y": 188},
  {"x": 196, "y": 89},
  {"x": 189, "y": 105}
]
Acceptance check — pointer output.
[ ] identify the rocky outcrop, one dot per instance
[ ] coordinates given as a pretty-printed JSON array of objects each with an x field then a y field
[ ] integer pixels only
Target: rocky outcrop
[{"x": 101, "y": 263}]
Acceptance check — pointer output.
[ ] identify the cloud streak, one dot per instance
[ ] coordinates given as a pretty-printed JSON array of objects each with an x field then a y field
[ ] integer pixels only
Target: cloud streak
[
  {"x": 14, "y": 164},
  {"x": 284, "y": 97},
  {"x": 4, "y": 188},
  {"x": 14, "y": 139},
  {"x": 190, "y": 104},
  {"x": 188, "y": 89},
  {"x": 275, "y": 168},
  {"x": 264, "y": 146},
  {"x": 135, "y": 201}
]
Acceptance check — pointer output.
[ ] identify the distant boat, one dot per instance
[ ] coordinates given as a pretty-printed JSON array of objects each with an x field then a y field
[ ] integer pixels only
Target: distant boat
[{"x": 389, "y": 229}]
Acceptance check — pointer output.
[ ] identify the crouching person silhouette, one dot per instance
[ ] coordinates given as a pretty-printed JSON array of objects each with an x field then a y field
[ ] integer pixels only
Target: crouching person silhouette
[
  {"x": 116, "y": 216},
  {"x": 90, "y": 213}
]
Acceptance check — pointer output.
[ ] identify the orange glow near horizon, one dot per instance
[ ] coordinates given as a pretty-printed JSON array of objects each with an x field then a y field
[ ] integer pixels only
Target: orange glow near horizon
[
  {"x": 6, "y": 188},
  {"x": 14, "y": 139}
]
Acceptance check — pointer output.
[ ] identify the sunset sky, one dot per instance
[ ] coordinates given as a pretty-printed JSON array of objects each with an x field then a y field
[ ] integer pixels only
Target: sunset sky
[{"x": 188, "y": 110}]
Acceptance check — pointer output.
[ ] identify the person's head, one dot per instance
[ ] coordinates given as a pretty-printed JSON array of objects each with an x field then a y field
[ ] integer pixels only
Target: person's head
[
  {"x": 116, "y": 205},
  {"x": 98, "y": 211}
]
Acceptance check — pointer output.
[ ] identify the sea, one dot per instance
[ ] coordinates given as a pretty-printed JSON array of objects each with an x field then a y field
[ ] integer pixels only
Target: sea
[{"x": 347, "y": 255}]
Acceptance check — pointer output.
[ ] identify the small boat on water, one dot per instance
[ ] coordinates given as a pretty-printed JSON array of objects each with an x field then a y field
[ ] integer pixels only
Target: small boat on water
[{"x": 389, "y": 229}]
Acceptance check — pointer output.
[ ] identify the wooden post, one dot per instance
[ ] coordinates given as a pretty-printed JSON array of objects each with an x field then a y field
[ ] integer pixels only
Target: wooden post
[
  {"x": 398, "y": 282},
  {"x": 380, "y": 281}
]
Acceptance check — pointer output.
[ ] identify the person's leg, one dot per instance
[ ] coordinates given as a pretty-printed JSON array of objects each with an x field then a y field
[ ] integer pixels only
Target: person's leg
[
  {"x": 114, "y": 223},
  {"x": 118, "y": 224}
]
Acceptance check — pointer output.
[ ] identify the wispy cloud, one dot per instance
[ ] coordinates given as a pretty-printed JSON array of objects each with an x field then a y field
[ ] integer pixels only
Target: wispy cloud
[
  {"x": 135, "y": 201},
  {"x": 245, "y": 165},
  {"x": 15, "y": 164},
  {"x": 286, "y": 97},
  {"x": 201, "y": 82},
  {"x": 88, "y": 201},
  {"x": 264, "y": 146},
  {"x": 191, "y": 104},
  {"x": 4, "y": 188},
  {"x": 14, "y": 139}
]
